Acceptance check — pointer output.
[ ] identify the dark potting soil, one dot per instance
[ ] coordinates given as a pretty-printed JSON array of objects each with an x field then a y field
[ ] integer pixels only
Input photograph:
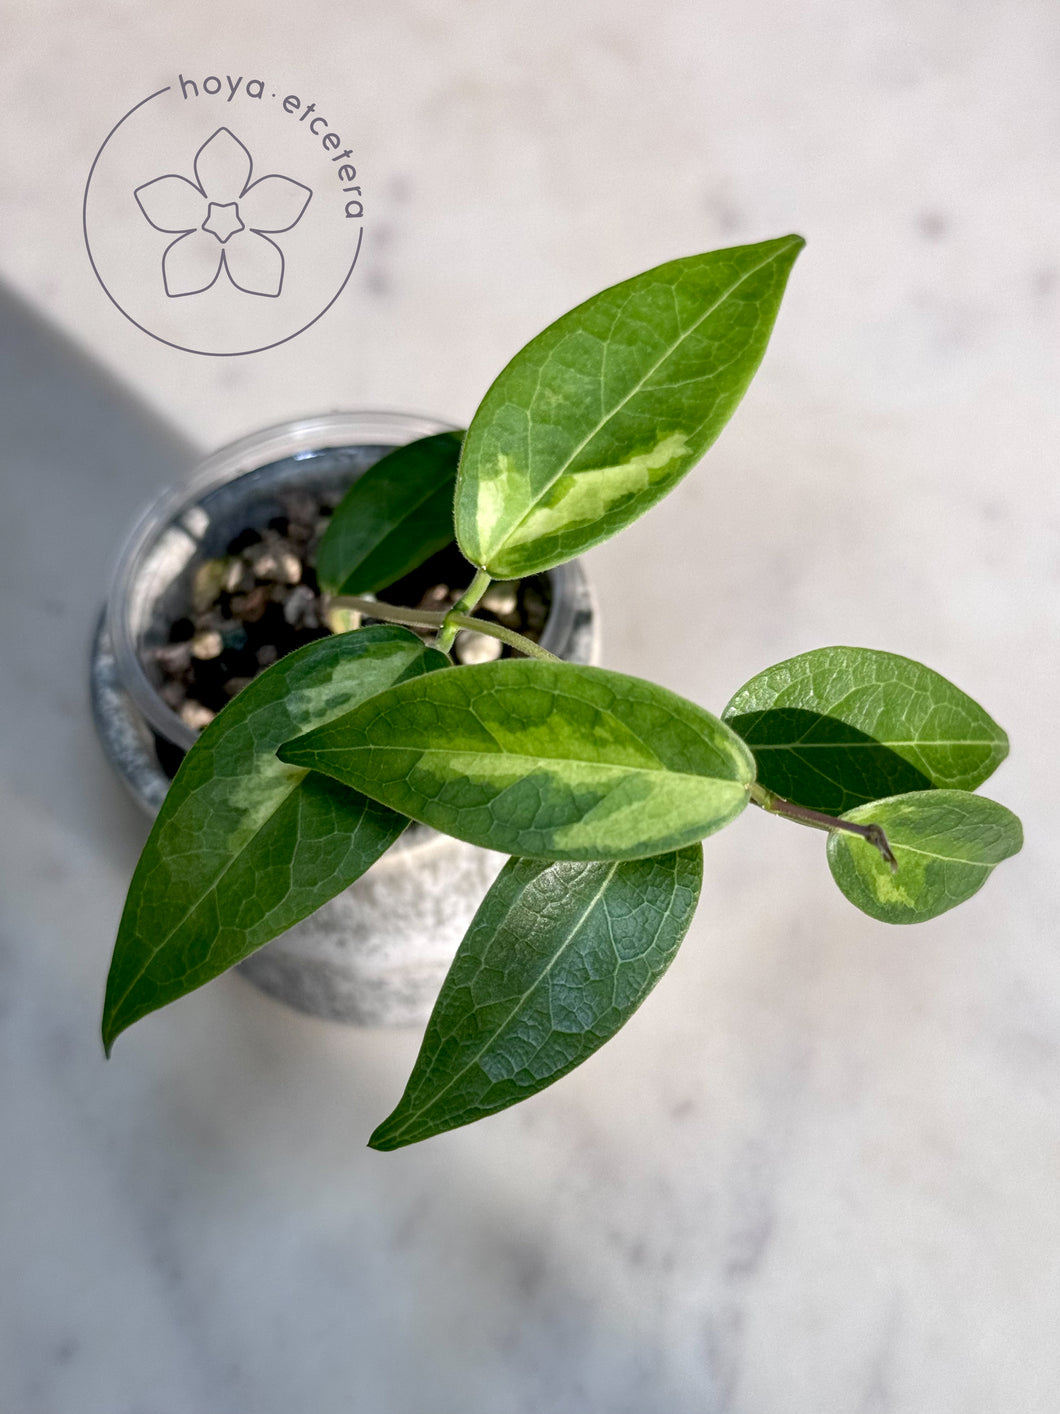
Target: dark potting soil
[{"x": 261, "y": 601}]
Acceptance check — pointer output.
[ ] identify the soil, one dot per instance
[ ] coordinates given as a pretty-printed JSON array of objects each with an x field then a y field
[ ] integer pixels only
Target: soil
[{"x": 261, "y": 601}]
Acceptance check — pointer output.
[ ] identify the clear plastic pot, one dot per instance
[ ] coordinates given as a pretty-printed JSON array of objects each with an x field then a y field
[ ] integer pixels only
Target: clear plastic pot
[{"x": 377, "y": 953}]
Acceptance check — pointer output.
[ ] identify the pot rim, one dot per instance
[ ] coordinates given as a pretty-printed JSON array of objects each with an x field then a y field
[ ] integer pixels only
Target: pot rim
[
  {"x": 177, "y": 503},
  {"x": 227, "y": 464}
]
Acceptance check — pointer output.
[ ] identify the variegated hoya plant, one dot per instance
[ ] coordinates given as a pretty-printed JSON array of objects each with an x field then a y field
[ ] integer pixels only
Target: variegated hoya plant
[{"x": 600, "y": 786}]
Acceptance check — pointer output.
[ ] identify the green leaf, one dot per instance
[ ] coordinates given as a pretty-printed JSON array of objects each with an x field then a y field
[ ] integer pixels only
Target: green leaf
[
  {"x": 395, "y": 516},
  {"x": 605, "y": 411},
  {"x": 557, "y": 958},
  {"x": 839, "y": 726},
  {"x": 946, "y": 842},
  {"x": 547, "y": 760},
  {"x": 245, "y": 846}
]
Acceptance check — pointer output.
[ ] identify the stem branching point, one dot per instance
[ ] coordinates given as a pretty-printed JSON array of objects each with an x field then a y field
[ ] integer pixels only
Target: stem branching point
[
  {"x": 817, "y": 820},
  {"x": 429, "y": 618},
  {"x": 464, "y": 605}
]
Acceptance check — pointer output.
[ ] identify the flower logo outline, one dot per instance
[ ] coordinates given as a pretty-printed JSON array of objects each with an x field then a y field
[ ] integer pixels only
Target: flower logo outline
[{"x": 222, "y": 218}]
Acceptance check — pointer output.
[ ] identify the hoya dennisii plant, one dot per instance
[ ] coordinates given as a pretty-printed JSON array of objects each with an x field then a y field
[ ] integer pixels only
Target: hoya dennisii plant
[{"x": 599, "y": 785}]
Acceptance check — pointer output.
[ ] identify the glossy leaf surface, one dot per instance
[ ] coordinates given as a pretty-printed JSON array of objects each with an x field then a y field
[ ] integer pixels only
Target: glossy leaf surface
[
  {"x": 557, "y": 958},
  {"x": 547, "y": 760},
  {"x": 604, "y": 412},
  {"x": 839, "y": 726},
  {"x": 395, "y": 516},
  {"x": 245, "y": 846},
  {"x": 946, "y": 843}
]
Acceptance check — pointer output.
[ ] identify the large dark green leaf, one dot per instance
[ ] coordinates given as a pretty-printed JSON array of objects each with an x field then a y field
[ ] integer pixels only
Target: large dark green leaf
[
  {"x": 605, "y": 411},
  {"x": 392, "y": 518},
  {"x": 946, "y": 842},
  {"x": 245, "y": 846},
  {"x": 547, "y": 760},
  {"x": 839, "y": 726},
  {"x": 557, "y": 958}
]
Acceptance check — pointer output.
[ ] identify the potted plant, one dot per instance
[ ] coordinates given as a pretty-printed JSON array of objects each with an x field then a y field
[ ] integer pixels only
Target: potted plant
[
  {"x": 600, "y": 786},
  {"x": 220, "y": 575}
]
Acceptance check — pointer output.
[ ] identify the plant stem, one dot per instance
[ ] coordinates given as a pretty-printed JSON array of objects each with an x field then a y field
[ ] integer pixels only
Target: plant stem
[
  {"x": 817, "y": 820},
  {"x": 506, "y": 635},
  {"x": 389, "y": 613},
  {"x": 467, "y": 601},
  {"x": 428, "y": 618}
]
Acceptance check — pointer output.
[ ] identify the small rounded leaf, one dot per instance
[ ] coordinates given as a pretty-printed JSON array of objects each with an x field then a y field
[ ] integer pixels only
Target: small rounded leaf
[
  {"x": 945, "y": 842},
  {"x": 837, "y": 727}
]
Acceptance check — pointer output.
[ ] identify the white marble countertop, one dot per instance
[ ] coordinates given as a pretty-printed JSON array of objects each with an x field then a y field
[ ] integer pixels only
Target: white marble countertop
[{"x": 818, "y": 1171}]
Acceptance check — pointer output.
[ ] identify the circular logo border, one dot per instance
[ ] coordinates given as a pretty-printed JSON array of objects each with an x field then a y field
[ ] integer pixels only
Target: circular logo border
[{"x": 203, "y": 353}]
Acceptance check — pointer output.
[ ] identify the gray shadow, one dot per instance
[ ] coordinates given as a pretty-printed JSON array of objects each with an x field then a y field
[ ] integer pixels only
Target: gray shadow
[
  {"x": 822, "y": 762},
  {"x": 80, "y": 457}
]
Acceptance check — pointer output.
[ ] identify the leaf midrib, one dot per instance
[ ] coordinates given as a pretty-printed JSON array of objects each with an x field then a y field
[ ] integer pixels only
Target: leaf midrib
[
  {"x": 520, "y": 1002},
  {"x": 943, "y": 858},
  {"x": 215, "y": 884},
  {"x": 395, "y": 529},
  {"x": 516, "y": 758},
  {"x": 864, "y": 745},
  {"x": 670, "y": 350}
]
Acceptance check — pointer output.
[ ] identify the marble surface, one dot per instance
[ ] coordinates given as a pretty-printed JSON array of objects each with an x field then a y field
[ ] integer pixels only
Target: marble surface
[{"x": 818, "y": 1171}]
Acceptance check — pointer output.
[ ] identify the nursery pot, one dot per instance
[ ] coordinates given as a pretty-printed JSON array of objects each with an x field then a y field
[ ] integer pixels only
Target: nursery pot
[{"x": 377, "y": 952}]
